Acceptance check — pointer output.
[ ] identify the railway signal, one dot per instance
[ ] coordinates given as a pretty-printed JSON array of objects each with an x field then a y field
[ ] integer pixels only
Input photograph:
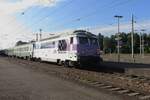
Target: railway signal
[{"x": 118, "y": 38}]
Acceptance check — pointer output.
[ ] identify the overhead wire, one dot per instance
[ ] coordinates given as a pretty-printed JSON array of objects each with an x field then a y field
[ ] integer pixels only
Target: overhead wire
[
  {"x": 89, "y": 14},
  {"x": 95, "y": 12},
  {"x": 49, "y": 15},
  {"x": 139, "y": 25},
  {"x": 113, "y": 1},
  {"x": 54, "y": 11},
  {"x": 82, "y": 17}
]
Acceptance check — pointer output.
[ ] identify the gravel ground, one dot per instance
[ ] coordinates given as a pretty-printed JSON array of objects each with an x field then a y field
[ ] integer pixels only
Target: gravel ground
[
  {"x": 19, "y": 82},
  {"x": 118, "y": 80}
]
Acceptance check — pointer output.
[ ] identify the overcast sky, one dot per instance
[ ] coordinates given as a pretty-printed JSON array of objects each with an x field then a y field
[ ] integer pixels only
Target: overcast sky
[{"x": 21, "y": 19}]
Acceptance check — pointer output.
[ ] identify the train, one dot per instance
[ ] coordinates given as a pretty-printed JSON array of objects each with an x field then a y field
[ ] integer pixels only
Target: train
[{"x": 68, "y": 49}]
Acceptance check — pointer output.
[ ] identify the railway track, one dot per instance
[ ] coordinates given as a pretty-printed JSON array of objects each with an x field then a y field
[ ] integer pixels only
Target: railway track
[{"x": 119, "y": 83}]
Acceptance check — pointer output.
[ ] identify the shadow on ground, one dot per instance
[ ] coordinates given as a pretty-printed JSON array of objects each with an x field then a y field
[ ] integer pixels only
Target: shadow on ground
[{"x": 111, "y": 67}]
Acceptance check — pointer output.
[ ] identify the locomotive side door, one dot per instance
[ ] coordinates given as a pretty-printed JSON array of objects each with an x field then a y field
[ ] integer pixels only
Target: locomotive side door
[{"x": 71, "y": 44}]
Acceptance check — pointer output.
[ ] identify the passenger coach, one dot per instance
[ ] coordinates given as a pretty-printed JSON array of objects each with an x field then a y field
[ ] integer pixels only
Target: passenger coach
[{"x": 24, "y": 51}]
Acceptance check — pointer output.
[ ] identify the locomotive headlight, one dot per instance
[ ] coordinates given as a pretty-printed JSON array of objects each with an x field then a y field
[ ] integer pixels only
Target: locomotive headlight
[{"x": 73, "y": 56}]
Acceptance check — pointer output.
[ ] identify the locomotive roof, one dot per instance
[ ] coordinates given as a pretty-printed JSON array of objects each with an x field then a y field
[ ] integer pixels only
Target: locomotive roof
[{"x": 76, "y": 32}]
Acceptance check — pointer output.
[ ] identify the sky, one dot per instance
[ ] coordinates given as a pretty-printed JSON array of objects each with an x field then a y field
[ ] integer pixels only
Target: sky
[{"x": 22, "y": 19}]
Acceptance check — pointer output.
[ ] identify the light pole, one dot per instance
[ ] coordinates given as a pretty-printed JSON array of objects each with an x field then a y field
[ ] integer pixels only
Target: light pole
[
  {"x": 118, "y": 36},
  {"x": 142, "y": 42},
  {"x": 132, "y": 38}
]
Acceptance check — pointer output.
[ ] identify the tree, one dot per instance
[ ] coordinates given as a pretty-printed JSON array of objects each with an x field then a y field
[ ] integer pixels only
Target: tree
[
  {"x": 125, "y": 44},
  {"x": 110, "y": 44},
  {"x": 113, "y": 44},
  {"x": 106, "y": 45}
]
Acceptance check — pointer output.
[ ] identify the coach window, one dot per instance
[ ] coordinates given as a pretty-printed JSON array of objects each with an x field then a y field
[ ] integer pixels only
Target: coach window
[
  {"x": 37, "y": 46},
  {"x": 71, "y": 40},
  {"x": 34, "y": 46}
]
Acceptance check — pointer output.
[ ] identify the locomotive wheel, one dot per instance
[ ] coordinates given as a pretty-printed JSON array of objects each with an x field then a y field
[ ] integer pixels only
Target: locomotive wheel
[
  {"x": 70, "y": 63},
  {"x": 66, "y": 64},
  {"x": 59, "y": 62},
  {"x": 39, "y": 60}
]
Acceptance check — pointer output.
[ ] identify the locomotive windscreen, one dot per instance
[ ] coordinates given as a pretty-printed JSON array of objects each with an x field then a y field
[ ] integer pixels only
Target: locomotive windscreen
[{"x": 90, "y": 41}]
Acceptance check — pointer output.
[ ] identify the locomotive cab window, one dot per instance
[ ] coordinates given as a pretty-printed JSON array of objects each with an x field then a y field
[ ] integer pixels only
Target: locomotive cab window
[
  {"x": 93, "y": 41},
  {"x": 83, "y": 40}
]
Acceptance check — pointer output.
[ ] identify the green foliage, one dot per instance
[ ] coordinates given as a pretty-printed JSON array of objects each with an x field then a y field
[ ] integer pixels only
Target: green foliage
[
  {"x": 100, "y": 38},
  {"x": 109, "y": 44}
]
